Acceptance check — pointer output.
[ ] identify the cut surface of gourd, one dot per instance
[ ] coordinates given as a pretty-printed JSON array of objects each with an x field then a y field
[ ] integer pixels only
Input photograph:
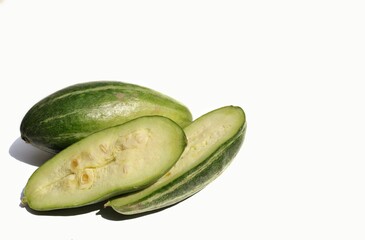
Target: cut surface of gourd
[{"x": 117, "y": 160}]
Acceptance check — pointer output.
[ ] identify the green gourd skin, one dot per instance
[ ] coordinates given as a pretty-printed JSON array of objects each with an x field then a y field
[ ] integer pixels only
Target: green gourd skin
[
  {"x": 72, "y": 113},
  {"x": 111, "y": 162},
  {"x": 214, "y": 139}
]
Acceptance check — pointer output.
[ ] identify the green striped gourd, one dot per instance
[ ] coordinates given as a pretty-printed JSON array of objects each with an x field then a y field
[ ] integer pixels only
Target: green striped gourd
[{"x": 77, "y": 111}]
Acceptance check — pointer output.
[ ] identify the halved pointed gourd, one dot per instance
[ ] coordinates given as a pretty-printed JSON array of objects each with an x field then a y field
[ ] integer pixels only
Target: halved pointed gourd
[
  {"x": 110, "y": 162},
  {"x": 213, "y": 141}
]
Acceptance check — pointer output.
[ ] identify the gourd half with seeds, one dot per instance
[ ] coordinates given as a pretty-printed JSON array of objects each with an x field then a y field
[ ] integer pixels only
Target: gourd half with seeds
[
  {"x": 77, "y": 111},
  {"x": 213, "y": 141},
  {"x": 110, "y": 162}
]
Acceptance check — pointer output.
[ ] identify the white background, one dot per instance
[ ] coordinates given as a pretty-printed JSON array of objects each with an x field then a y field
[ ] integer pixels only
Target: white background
[{"x": 295, "y": 67}]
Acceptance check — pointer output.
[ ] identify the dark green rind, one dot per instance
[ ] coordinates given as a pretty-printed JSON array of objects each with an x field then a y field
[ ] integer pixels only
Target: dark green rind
[
  {"x": 189, "y": 183},
  {"x": 75, "y": 112}
]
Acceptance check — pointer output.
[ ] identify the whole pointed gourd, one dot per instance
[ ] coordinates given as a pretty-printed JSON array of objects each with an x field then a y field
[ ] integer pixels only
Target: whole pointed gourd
[{"x": 72, "y": 113}]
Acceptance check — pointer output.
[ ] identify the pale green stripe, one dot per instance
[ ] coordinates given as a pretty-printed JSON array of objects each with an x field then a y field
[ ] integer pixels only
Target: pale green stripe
[{"x": 59, "y": 116}]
